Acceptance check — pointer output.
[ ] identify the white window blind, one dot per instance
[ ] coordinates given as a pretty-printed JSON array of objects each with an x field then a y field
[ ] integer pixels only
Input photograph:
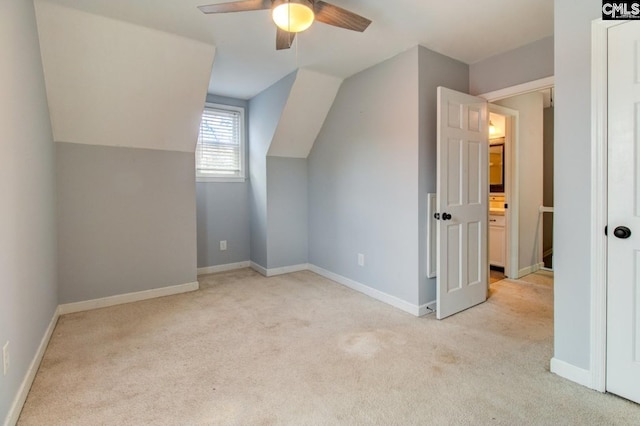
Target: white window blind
[{"x": 220, "y": 148}]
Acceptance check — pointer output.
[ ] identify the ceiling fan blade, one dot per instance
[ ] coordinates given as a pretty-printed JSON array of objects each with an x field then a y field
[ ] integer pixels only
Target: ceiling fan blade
[
  {"x": 284, "y": 39},
  {"x": 236, "y": 6},
  {"x": 339, "y": 17}
]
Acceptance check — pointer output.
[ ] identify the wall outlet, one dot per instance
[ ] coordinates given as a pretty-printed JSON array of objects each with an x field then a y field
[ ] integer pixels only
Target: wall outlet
[
  {"x": 5, "y": 358},
  {"x": 360, "y": 259},
  {"x": 223, "y": 245}
]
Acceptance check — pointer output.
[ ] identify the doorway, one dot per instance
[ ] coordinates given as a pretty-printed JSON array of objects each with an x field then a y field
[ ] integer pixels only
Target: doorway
[
  {"x": 463, "y": 162},
  {"x": 501, "y": 140},
  {"x": 528, "y": 189}
]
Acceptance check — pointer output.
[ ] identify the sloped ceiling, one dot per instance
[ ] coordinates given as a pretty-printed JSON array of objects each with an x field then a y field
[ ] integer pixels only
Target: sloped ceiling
[
  {"x": 304, "y": 113},
  {"x": 117, "y": 84},
  {"x": 247, "y": 62}
]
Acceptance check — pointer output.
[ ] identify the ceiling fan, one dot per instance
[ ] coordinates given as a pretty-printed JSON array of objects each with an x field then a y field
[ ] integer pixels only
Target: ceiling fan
[{"x": 294, "y": 16}]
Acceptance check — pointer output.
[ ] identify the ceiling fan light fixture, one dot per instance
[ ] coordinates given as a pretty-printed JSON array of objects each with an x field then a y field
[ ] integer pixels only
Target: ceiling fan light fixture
[{"x": 293, "y": 16}]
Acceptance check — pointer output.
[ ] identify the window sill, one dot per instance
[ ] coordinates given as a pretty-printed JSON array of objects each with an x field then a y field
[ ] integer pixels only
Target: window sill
[{"x": 220, "y": 179}]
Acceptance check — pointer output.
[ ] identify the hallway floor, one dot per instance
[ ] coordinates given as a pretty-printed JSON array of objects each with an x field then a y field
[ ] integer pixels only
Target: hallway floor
[{"x": 495, "y": 276}]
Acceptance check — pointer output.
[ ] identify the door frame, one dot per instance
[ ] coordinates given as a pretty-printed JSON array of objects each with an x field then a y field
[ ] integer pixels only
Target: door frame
[
  {"x": 511, "y": 266},
  {"x": 514, "y": 207},
  {"x": 599, "y": 200}
]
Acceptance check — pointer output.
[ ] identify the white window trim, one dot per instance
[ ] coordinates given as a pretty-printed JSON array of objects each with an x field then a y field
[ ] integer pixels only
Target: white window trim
[
  {"x": 243, "y": 142},
  {"x": 210, "y": 179}
]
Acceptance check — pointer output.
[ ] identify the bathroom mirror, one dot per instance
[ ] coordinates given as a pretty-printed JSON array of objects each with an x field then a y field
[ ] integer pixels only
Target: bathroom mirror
[{"x": 496, "y": 167}]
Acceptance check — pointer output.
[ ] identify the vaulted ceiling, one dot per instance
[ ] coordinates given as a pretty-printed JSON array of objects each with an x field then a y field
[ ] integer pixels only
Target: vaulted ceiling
[{"x": 247, "y": 62}]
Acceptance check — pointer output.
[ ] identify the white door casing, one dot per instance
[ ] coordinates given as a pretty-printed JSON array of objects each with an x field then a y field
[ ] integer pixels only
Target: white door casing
[
  {"x": 511, "y": 194},
  {"x": 463, "y": 193},
  {"x": 623, "y": 264}
]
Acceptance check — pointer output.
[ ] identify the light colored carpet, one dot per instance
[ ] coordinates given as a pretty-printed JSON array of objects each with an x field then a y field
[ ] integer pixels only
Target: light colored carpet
[{"x": 301, "y": 350}]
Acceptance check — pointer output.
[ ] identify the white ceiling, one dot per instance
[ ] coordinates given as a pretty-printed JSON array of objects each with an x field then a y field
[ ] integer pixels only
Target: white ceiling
[{"x": 247, "y": 62}]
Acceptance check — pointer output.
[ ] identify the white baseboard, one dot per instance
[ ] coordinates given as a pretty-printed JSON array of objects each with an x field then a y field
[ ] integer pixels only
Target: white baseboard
[
  {"x": 119, "y": 299},
  {"x": 223, "y": 268},
  {"x": 354, "y": 285},
  {"x": 530, "y": 269},
  {"x": 259, "y": 269},
  {"x": 371, "y": 292},
  {"x": 21, "y": 396},
  {"x": 287, "y": 269},
  {"x": 279, "y": 271},
  {"x": 571, "y": 372}
]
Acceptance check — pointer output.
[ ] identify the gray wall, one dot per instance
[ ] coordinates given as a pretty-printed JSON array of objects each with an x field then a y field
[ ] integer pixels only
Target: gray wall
[
  {"x": 371, "y": 169},
  {"x": 572, "y": 176},
  {"x": 126, "y": 220},
  {"x": 28, "y": 289},
  {"x": 363, "y": 180},
  {"x": 527, "y": 63},
  {"x": 265, "y": 110},
  {"x": 223, "y": 211},
  {"x": 434, "y": 70},
  {"x": 287, "y": 212},
  {"x": 223, "y": 214}
]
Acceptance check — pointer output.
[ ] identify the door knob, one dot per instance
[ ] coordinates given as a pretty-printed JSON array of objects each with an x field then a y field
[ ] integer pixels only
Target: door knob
[
  {"x": 446, "y": 216},
  {"x": 622, "y": 232}
]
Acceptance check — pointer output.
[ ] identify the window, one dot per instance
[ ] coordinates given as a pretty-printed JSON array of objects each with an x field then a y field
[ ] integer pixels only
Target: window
[{"x": 220, "y": 148}]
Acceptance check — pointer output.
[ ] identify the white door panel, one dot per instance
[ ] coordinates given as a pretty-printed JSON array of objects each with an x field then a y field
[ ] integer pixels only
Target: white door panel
[
  {"x": 623, "y": 269},
  {"x": 463, "y": 185}
]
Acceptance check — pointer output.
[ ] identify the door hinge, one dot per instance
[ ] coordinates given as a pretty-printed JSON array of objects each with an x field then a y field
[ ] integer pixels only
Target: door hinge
[
  {"x": 506, "y": 206},
  {"x": 606, "y": 230}
]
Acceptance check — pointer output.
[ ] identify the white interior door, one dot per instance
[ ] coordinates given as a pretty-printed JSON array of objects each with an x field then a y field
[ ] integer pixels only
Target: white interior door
[
  {"x": 462, "y": 202},
  {"x": 623, "y": 269}
]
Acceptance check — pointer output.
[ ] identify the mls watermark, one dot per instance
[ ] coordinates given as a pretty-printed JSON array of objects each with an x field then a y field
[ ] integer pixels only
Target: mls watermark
[{"x": 620, "y": 10}]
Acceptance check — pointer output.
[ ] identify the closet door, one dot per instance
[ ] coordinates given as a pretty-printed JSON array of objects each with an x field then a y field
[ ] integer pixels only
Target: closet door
[{"x": 623, "y": 281}]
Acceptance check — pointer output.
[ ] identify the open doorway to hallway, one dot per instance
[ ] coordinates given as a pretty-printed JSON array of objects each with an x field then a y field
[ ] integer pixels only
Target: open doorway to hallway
[{"x": 521, "y": 175}]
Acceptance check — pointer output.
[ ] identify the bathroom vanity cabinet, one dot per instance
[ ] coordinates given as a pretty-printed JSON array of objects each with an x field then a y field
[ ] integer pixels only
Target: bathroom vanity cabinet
[{"x": 497, "y": 240}]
